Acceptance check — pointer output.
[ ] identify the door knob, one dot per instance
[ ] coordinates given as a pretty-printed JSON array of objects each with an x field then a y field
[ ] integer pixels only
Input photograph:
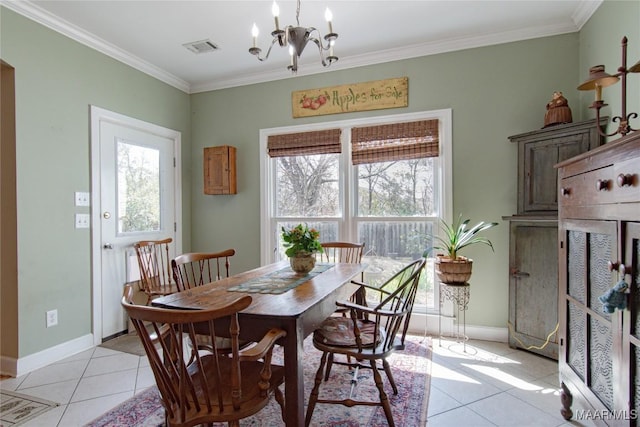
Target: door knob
[
  {"x": 106, "y": 215},
  {"x": 107, "y": 246}
]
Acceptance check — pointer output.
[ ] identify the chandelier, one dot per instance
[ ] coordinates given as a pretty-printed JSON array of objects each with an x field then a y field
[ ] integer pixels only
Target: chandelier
[{"x": 297, "y": 37}]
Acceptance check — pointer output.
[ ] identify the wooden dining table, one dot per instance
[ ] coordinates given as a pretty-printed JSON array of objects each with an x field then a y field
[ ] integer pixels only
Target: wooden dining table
[{"x": 298, "y": 311}]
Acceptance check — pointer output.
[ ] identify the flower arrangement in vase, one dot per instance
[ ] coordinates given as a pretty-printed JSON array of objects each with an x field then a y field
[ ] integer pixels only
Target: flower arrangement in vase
[{"x": 301, "y": 243}]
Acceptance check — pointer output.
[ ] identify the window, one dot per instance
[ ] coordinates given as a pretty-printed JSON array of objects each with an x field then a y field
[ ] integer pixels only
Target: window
[
  {"x": 138, "y": 184},
  {"x": 381, "y": 181}
]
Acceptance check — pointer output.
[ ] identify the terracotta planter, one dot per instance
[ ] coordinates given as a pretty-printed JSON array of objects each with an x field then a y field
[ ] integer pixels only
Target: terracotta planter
[
  {"x": 302, "y": 264},
  {"x": 453, "y": 272}
]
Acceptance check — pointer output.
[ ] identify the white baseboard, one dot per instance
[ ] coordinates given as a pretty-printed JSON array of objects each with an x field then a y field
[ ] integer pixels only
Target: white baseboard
[
  {"x": 24, "y": 365},
  {"x": 448, "y": 327}
]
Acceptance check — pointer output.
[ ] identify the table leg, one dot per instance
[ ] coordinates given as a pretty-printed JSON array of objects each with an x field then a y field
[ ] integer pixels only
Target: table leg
[{"x": 294, "y": 377}]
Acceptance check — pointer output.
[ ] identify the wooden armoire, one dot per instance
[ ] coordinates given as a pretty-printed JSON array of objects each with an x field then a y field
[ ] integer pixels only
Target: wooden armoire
[
  {"x": 599, "y": 247},
  {"x": 533, "y": 233}
]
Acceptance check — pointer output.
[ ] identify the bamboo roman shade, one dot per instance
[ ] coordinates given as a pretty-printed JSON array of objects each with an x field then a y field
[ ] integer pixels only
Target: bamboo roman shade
[
  {"x": 395, "y": 141},
  {"x": 304, "y": 143}
]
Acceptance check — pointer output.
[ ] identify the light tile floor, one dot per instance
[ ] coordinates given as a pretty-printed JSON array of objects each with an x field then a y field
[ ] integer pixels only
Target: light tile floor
[
  {"x": 488, "y": 385},
  {"x": 491, "y": 384}
]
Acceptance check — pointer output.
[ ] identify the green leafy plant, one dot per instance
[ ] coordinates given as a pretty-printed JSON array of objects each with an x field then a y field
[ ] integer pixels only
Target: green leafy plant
[
  {"x": 301, "y": 239},
  {"x": 459, "y": 235}
]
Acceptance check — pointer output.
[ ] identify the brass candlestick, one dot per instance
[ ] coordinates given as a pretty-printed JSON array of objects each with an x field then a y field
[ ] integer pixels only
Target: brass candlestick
[{"x": 598, "y": 79}]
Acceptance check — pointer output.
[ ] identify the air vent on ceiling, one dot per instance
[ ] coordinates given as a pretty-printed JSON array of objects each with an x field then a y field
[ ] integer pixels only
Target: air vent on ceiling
[{"x": 202, "y": 46}]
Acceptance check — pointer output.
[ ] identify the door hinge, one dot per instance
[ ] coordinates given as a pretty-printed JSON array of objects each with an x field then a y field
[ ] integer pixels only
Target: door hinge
[
  {"x": 174, "y": 162},
  {"x": 175, "y": 227}
]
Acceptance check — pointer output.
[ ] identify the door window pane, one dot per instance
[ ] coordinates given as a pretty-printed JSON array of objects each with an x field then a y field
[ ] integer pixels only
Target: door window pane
[{"x": 138, "y": 188}]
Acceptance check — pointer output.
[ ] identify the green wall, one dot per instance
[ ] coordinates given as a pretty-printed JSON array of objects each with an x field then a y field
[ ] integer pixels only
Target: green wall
[
  {"x": 57, "y": 79},
  {"x": 493, "y": 92}
]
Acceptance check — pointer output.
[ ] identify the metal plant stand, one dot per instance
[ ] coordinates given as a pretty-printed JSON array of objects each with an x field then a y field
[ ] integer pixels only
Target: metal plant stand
[{"x": 459, "y": 295}]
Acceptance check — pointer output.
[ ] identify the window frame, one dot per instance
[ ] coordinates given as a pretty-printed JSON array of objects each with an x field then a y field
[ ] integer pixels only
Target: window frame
[{"x": 347, "y": 221}]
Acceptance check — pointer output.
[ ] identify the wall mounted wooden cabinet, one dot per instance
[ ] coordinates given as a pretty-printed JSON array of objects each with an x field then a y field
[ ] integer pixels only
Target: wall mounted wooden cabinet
[
  {"x": 533, "y": 275},
  {"x": 599, "y": 246},
  {"x": 220, "y": 170}
]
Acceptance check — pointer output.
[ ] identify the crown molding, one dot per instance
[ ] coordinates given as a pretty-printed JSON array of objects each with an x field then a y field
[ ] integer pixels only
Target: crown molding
[
  {"x": 584, "y": 11},
  {"x": 26, "y": 8},
  {"x": 390, "y": 55},
  {"x": 43, "y": 17}
]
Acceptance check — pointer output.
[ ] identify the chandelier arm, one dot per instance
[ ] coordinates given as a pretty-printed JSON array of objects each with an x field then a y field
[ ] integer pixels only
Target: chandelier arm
[
  {"x": 320, "y": 50},
  {"x": 264, "y": 58},
  {"x": 317, "y": 40}
]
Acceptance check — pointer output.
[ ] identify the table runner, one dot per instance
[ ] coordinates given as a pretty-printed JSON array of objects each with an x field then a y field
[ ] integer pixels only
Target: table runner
[{"x": 279, "y": 281}]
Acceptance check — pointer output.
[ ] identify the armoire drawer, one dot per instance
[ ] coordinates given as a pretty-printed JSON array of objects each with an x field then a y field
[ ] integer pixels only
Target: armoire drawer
[{"x": 590, "y": 188}]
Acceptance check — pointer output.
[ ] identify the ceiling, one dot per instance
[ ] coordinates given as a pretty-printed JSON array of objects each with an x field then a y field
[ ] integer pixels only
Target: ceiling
[{"x": 149, "y": 35}]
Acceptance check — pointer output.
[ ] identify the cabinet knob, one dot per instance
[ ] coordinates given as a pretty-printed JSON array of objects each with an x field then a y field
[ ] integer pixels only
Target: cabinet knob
[
  {"x": 625, "y": 180},
  {"x": 617, "y": 266},
  {"x": 565, "y": 191},
  {"x": 602, "y": 184},
  {"x": 517, "y": 273}
]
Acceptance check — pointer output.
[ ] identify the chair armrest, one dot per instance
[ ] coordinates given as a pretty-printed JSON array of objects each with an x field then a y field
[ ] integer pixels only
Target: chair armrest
[
  {"x": 367, "y": 310},
  {"x": 364, "y": 287},
  {"x": 261, "y": 348}
]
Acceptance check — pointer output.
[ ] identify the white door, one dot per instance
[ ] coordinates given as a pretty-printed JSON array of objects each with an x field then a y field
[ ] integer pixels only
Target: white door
[{"x": 137, "y": 199}]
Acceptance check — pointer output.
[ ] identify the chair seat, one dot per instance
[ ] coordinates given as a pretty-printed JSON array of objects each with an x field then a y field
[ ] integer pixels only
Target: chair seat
[
  {"x": 338, "y": 332},
  {"x": 251, "y": 400}
]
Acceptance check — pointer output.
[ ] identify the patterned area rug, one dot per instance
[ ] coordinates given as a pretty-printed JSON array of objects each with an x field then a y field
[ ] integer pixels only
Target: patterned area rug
[
  {"x": 411, "y": 369},
  {"x": 16, "y": 408}
]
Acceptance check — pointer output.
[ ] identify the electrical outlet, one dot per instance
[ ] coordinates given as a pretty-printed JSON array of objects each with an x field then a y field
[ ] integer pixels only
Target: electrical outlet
[
  {"x": 52, "y": 318},
  {"x": 82, "y": 198},
  {"x": 82, "y": 220}
]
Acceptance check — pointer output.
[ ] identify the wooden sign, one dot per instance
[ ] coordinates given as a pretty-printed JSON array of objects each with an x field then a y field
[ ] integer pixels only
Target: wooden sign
[{"x": 376, "y": 95}]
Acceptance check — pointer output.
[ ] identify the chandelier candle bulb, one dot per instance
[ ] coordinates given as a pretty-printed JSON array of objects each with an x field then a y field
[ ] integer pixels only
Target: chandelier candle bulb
[
  {"x": 254, "y": 33},
  {"x": 276, "y": 12},
  {"x": 329, "y": 16}
]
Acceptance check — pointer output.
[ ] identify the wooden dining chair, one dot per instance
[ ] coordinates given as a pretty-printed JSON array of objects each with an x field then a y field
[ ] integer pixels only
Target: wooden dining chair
[
  {"x": 342, "y": 252},
  {"x": 372, "y": 332},
  {"x": 197, "y": 269},
  {"x": 155, "y": 268},
  {"x": 210, "y": 387}
]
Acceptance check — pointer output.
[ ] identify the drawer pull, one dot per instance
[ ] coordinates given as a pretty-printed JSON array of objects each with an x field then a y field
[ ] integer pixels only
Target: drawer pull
[
  {"x": 617, "y": 266},
  {"x": 625, "y": 180},
  {"x": 602, "y": 184},
  {"x": 565, "y": 192}
]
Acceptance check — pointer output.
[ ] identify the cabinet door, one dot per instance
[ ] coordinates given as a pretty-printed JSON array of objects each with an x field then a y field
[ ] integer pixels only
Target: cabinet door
[
  {"x": 220, "y": 170},
  {"x": 539, "y": 192},
  {"x": 533, "y": 287},
  {"x": 631, "y": 341},
  {"x": 588, "y": 344}
]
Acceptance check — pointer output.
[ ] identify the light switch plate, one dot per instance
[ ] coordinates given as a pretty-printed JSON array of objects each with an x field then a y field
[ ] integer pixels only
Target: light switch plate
[
  {"x": 83, "y": 220},
  {"x": 82, "y": 198}
]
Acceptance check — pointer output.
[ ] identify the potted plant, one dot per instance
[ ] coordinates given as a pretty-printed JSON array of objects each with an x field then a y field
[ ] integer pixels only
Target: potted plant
[
  {"x": 301, "y": 243},
  {"x": 451, "y": 267}
]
